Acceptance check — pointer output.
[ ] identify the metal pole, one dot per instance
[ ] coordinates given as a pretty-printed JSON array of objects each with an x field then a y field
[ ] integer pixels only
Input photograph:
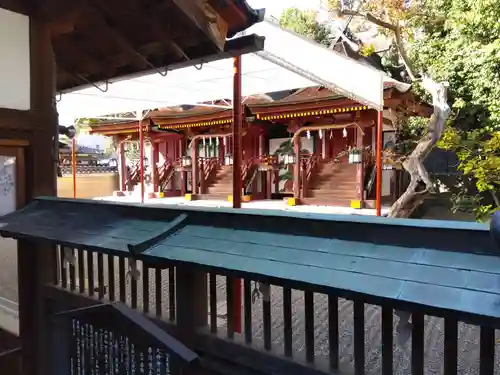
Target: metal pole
[
  {"x": 141, "y": 157},
  {"x": 237, "y": 124},
  {"x": 237, "y": 183},
  {"x": 378, "y": 164},
  {"x": 73, "y": 165}
]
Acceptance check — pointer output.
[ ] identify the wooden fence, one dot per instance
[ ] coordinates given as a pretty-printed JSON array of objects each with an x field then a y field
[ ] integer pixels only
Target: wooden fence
[{"x": 310, "y": 305}]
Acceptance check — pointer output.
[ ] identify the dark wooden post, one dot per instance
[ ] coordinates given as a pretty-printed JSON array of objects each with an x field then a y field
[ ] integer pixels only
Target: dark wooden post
[
  {"x": 237, "y": 124},
  {"x": 37, "y": 261},
  {"x": 194, "y": 167},
  {"x": 296, "y": 167},
  {"x": 191, "y": 301}
]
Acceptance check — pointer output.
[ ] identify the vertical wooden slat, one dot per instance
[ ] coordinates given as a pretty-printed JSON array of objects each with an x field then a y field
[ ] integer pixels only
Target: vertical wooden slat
[
  {"x": 450, "y": 346},
  {"x": 133, "y": 288},
  {"x": 171, "y": 294},
  {"x": 122, "y": 279},
  {"x": 81, "y": 270},
  {"x": 64, "y": 276},
  {"x": 212, "y": 282},
  {"x": 72, "y": 273},
  {"x": 417, "y": 344},
  {"x": 359, "y": 337},
  {"x": 111, "y": 277},
  {"x": 266, "y": 314},
  {"x": 100, "y": 275},
  {"x": 247, "y": 303},
  {"x": 387, "y": 340},
  {"x": 158, "y": 296},
  {"x": 90, "y": 272},
  {"x": 287, "y": 320},
  {"x": 145, "y": 288},
  {"x": 309, "y": 325},
  {"x": 57, "y": 269},
  {"x": 333, "y": 331},
  {"x": 487, "y": 351},
  {"x": 230, "y": 306}
]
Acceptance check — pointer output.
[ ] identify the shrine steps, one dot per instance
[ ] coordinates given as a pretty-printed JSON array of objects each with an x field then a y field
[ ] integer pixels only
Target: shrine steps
[{"x": 334, "y": 184}]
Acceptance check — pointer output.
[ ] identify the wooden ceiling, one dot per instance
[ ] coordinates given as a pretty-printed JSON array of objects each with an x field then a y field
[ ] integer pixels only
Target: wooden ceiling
[{"x": 98, "y": 40}]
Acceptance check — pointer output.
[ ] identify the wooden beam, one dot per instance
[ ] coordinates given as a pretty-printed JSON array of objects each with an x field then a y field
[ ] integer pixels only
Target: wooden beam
[
  {"x": 158, "y": 27},
  {"x": 98, "y": 15},
  {"x": 198, "y": 13}
]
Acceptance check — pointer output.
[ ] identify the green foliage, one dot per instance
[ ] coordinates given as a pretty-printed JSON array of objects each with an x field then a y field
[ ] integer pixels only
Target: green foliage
[
  {"x": 303, "y": 22},
  {"x": 479, "y": 155}
]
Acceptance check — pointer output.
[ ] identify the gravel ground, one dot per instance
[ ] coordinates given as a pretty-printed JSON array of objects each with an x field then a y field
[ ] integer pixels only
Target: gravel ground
[{"x": 468, "y": 347}]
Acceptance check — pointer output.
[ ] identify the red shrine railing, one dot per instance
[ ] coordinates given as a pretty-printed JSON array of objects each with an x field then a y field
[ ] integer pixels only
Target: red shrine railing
[
  {"x": 309, "y": 165},
  {"x": 165, "y": 173}
]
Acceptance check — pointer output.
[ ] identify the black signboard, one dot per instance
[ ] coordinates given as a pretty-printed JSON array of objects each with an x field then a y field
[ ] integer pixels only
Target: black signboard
[{"x": 113, "y": 339}]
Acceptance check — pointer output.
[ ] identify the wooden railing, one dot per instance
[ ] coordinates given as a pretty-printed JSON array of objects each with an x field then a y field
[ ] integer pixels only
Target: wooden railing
[
  {"x": 308, "y": 169},
  {"x": 165, "y": 173},
  {"x": 134, "y": 175},
  {"x": 207, "y": 169},
  {"x": 87, "y": 169},
  {"x": 313, "y": 301}
]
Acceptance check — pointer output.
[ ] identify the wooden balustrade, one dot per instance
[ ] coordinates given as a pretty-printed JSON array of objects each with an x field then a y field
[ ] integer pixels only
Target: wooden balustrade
[
  {"x": 320, "y": 295},
  {"x": 308, "y": 168}
]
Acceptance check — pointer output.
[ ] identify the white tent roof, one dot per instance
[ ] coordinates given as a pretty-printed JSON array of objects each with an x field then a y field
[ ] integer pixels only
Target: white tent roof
[{"x": 287, "y": 62}]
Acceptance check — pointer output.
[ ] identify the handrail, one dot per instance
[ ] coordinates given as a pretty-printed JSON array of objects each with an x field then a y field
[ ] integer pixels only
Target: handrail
[
  {"x": 246, "y": 167},
  {"x": 134, "y": 174},
  {"x": 308, "y": 168},
  {"x": 165, "y": 172},
  {"x": 207, "y": 166}
]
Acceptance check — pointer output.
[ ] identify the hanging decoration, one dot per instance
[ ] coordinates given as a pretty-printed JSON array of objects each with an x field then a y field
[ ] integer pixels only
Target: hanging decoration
[
  {"x": 203, "y": 142},
  {"x": 210, "y": 141},
  {"x": 331, "y": 134},
  {"x": 308, "y": 134},
  {"x": 320, "y": 133},
  {"x": 224, "y": 141},
  {"x": 344, "y": 132},
  {"x": 217, "y": 141}
]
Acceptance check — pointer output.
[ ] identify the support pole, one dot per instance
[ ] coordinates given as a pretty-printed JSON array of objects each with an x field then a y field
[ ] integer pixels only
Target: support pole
[
  {"x": 73, "y": 165},
  {"x": 237, "y": 183},
  {"x": 296, "y": 167},
  {"x": 237, "y": 124},
  {"x": 378, "y": 164},
  {"x": 156, "y": 167},
  {"x": 141, "y": 157}
]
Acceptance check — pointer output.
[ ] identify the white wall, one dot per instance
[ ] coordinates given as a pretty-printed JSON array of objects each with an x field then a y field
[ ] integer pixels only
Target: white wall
[{"x": 14, "y": 61}]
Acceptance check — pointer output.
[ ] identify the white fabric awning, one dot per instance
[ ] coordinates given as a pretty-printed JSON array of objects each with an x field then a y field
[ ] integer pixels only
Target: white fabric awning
[{"x": 287, "y": 62}]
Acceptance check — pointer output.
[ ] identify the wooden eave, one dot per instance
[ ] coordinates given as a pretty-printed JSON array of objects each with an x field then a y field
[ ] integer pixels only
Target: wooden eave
[
  {"x": 116, "y": 128},
  {"x": 96, "y": 41},
  {"x": 192, "y": 120},
  {"x": 324, "y": 106}
]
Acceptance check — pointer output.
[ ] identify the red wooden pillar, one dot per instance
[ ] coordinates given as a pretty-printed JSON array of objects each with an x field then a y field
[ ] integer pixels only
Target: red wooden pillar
[
  {"x": 237, "y": 183},
  {"x": 141, "y": 156},
  {"x": 378, "y": 164},
  {"x": 360, "y": 168},
  {"x": 194, "y": 167},
  {"x": 237, "y": 125},
  {"x": 296, "y": 167},
  {"x": 156, "y": 160},
  {"x": 122, "y": 165}
]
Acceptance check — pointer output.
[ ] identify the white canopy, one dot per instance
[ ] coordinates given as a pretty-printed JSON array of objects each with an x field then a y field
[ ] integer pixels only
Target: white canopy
[{"x": 287, "y": 62}]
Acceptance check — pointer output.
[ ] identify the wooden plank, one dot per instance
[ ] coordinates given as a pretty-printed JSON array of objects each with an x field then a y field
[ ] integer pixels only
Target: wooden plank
[
  {"x": 428, "y": 295},
  {"x": 481, "y": 263},
  {"x": 409, "y": 272}
]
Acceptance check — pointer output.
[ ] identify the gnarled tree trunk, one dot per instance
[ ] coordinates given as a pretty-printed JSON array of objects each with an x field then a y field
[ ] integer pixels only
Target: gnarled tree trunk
[{"x": 413, "y": 163}]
